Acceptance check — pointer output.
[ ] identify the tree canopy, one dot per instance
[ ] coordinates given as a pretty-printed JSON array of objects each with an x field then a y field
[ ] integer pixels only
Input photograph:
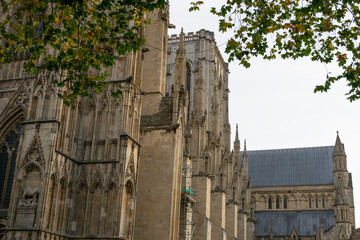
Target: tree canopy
[
  {"x": 323, "y": 30},
  {"x": 76, "y": 39}
]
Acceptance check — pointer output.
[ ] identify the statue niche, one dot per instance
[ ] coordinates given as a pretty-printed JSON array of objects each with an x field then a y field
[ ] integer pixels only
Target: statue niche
[{"x": 28, "y": 193}]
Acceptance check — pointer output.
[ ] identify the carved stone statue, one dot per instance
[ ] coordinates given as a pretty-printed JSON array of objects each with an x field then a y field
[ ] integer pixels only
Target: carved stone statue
[{"x": 30, "y": 198}]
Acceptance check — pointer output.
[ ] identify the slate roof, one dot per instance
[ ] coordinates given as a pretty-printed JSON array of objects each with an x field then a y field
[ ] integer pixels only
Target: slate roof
[
  {"x": 307, "y": 223},
  {"x": 291, "y": 167}
]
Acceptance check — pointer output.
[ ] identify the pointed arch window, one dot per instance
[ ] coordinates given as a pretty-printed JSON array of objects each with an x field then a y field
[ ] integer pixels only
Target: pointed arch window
[
  {"x": 309, "y": 202},
  {"x": 316, "y": 203},
  {"x": 323, "y": 202},
  {"x": 8, "y": 153},
  {"x": 269, "y": 203},
  {"x": 277, "y": 203},
  {"x": 285, "y": 203}
]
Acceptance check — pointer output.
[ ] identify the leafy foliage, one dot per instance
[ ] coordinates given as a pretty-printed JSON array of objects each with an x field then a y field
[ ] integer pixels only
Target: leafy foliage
[
  {"x": 77, "y": 39},
  {"x": 326, "y": 31}
]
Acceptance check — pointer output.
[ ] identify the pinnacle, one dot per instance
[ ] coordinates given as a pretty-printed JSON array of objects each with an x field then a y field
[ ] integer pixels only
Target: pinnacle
[
  {"x": 245, "y": 155},
  {"x": 338, "y": 148},
  {"x": 237, "y": 133}
]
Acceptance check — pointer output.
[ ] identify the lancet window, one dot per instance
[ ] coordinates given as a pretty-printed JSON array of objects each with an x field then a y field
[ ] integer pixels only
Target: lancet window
[
  {"x": 8, "y": 153},
  {"x": 270, "y": 203}
]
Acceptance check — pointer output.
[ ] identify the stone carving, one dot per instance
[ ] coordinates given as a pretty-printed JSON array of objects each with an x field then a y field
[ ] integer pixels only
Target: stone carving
[
  {"x": 130, "y": 168},
  {"x": 34, "y": 156},
  {"x": 22, "y": 98},
  {"x": 29, "y": 198}
]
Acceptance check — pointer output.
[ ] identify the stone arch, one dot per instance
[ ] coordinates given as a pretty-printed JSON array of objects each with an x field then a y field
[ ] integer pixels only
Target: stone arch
[
  {"x": 111, "y": 208},
  {"x": 116, "y": 120},
  {"x": 50, "y": 201},
  {"x": 81, "y": 202},
  {"x": 10, "y": 118},
  {"x": 207, "y": 162},
  {"x": 270, "y": 203},
  {"x": 96, "y": 200},
  {"x": 88, "y": 128},
  {"x": 23, "y": 170},
  {"x": 10, "y": 130},
  {"x": 277, "y": 201},
  {"x": 61, "y": 197},
  {"x": 50, "y": 104},
  {"x": 37, "y": 105},
  {"x": 102, "y": 129},
  {"x": 64, "y": 115},
  {"x": 127, "y": 211},
  {"x": 27, "y": 194},
  {"x": 97, "y": 179},
  {"x": 285, "y": 201},
  {"x": 69, "y": 199}
]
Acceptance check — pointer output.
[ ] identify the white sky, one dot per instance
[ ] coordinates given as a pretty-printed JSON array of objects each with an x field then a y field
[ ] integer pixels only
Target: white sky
[{"x": 273, "y": 101}]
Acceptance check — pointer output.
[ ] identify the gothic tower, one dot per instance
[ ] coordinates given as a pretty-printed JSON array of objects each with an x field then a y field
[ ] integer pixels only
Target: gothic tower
[
  {"x": 162, "y": 139},
  {"x": 343, "y": 204}
]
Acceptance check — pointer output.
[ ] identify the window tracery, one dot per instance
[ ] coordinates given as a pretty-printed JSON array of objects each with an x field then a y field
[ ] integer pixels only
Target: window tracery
[{"x": 8, "y": 153}]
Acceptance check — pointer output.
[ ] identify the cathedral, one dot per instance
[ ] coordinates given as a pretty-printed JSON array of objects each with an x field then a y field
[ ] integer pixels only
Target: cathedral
[{"x": 157, "y": 162}]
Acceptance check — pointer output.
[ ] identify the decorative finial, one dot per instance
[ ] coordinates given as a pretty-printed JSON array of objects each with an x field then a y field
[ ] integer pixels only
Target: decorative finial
[
  {"x": 237, "y": 132},
  {"x": 244, "y": 145},
  {"x": 181, "y": 50},
  {"x": 337, "y": 132}
]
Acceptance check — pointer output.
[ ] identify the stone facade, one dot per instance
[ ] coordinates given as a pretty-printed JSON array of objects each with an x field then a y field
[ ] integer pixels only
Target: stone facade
[
  {"x": 304, "y": 206},
  {"x": 155, "y": 163}
]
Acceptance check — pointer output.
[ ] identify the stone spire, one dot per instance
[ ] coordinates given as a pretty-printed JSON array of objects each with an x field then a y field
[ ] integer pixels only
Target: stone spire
[
  {"x": 236, "y": 154},
  {"x": 245, "y": 162},
  {"x": 180, "y": 79},
  {"x": 245, "y": 151},
  {"x": 181, "y": 50},
  {"x": 237, "y": 140},
  {"x": 180, "y": 64},
  {"x": 339, "y": 147}
]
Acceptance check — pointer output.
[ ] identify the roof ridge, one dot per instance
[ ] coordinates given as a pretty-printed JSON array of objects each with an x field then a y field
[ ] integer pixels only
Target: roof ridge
[{"x": 276, "y": 149}]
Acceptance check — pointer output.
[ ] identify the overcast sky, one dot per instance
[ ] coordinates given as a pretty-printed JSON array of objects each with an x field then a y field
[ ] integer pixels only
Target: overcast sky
[{"x": 274, "y": 103}]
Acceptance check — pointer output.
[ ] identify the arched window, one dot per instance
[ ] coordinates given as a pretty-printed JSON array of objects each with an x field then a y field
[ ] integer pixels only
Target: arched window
[
  {"x": 323, "y": 202},
  {"x": 8, "y": 153},
  {"x": 309, "y": 202},
  {"x": 277, "y": 203},
  {"x": 342, "y": 215},
  {"x": 316, "y": 203},
  {"x": 285, "y": 203},
  {"x": 243, "y": 203},
  {"x": 270, "y": 203},
  {"x": 110, "y": 220}
]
